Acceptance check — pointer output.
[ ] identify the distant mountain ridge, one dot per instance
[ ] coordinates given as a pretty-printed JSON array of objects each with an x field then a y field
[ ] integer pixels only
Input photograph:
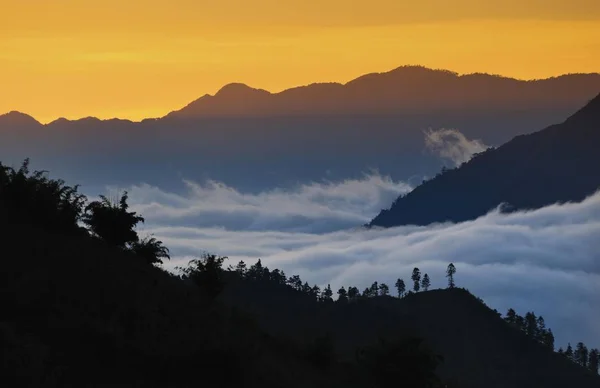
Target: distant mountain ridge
[
  {"x": 555, "y": 165},
  {"x": 374, "y": 122},
  {"x": 406, "y": 89}
]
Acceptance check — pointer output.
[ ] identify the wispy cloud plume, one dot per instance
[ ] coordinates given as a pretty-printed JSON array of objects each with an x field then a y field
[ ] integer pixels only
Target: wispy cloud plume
[{"x": 452, "y": 145}]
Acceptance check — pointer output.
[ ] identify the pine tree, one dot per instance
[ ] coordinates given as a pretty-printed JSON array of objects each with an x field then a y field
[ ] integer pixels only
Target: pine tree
[
  {"x": 531, "y": 324},
  {"x": 416, "y": 278},
  {"x": 241, "y": 269},
  {"x": 256, "y": 271},
  {"x": 327, "y": 294},
  {"x": 511, "y": 316},
  {"x": 401, "y": 287},
  {"x": 316, "y": 292},
  {"x": 541, "y": 329},
  {"x": 306, "y": 288},
  {"x": 569, "y": 352},
  {"x": 548, "y": 339},
  {"x": 581, "y": 354},
  {"x": 425, "y": 283},
  {"x": 450, "y": 271}
]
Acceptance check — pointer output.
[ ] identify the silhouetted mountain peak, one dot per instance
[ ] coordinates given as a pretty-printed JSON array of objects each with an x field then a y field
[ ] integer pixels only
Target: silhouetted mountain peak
[
  {"x": 239, "y": 90},
  {"x": 18, "y": 118}
]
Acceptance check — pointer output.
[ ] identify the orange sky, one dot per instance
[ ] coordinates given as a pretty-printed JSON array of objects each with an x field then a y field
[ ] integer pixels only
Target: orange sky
[{"x": 135, "y": 59}]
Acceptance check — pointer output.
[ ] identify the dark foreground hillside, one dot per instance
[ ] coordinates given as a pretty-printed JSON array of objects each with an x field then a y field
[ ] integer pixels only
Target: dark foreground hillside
[
  {"x": 76, "y": 312},
  {"x": 479, "y": 348},
  {"x": 557, "y": 164}
]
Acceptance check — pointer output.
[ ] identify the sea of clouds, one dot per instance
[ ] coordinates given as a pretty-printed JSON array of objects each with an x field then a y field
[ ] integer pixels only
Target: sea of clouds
[{"x": 547, "y": 260}]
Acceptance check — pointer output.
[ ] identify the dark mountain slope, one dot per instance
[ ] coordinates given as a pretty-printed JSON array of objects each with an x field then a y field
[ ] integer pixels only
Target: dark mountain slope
[
  {"x": 75, "y": 312},
  {"x": 557, "y": 164},
  {"x": 479, "y": 348}
]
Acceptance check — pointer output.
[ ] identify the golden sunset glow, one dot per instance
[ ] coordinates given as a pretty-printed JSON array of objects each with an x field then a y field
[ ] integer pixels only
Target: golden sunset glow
[{"x": 136, "y": 59}]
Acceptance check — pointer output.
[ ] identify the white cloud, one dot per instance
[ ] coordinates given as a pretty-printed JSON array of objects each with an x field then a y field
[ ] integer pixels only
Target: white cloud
[
  {"x": 547, "y": 260},
  {"x": 451, "y": 144},
  {"x": 317, "y": 207}
]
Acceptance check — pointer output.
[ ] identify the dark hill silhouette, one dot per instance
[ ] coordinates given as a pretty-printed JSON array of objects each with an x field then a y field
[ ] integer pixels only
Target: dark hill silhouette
[
  {"x": 479, "y": 348},
  {"x": 555, "y": 165},
  {"x": 375, "y": 121}
]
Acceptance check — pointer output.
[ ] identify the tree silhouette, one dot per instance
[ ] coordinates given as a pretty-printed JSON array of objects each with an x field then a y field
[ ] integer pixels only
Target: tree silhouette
[
  {"x": 374, "y": 290},
  {"x": 353, "y": 293},
  {"x": 207, "y": 273},
  {"x": 327, "y": 294},
  {"x": 111, "y": 221},
  {"x": 425, "y": 283},
  {"x": 384, "y": 289},
  {"x": 151, "y": 250},
  {"x": 256, "y": 271},
  {"x": 511, "y": 316},
  {"x": 295, "y": 282},
  {"x": 241, "y": 268},
  {"x": 401, "y": 287},
  {"x": 531, "y": 325},
  {"x": 580, "y": 356},
  {"x": 315, "y": 291},
  {"x": 342, "y": 295},
  {"x": 278, "y": 277},
  {"x": 450, "y": 271},
  {"x": 548, "y": 339},
  {"x": 36, "y": 199},
  {"x": 541, "y": 329},
  {"x": 306, "y": 288},
  {"x": 569, "y": 352},
  {"x": 416, "y": 278}
]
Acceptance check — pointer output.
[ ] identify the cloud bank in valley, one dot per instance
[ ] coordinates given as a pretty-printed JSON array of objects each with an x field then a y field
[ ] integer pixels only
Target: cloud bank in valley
[
  {"x": 316, "y": 208},
  {"x": 452, "y": 145},
  {"x": 546, "y": 260}
]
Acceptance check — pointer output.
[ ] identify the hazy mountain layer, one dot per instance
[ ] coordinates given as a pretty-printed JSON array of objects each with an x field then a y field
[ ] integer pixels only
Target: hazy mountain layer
[{"x": 253, "y": 139}]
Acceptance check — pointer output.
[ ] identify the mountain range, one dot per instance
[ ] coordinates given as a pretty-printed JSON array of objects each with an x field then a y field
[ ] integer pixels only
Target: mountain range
[
  {"x": 373, "y": 122},
  {"x": 405, "y": 90},
  {"x": 555, "y": 165}
]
